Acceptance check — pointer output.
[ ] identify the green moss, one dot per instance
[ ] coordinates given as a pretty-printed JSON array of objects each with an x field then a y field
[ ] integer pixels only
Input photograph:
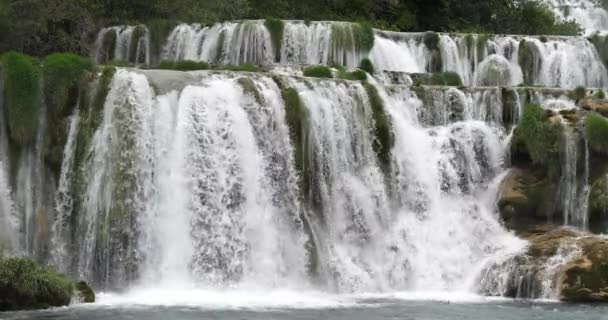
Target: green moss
[
  {"x": 276, "y": 28},
  {"x": 108, "y": 44},
  {"x": 528, "y": 59},
  {"x": 482, "y": 42},
  {"x": 318, "y": 72},
  {"x": 367, "y": 66},
  {"x": 250, "y": 88},
  {"x": 431, "y": 40},
  {"x": 183, "y": 65},
  {"x": 364, "y": 36},
  {"x": 22, "y": 96},
  {"x": 469, "y": 41},
  {"x": 25, "y": 285},
  {"x": 437, "y": 79},
  {"x": 541, "y": 137},
  {"x": 139, "y": 32},
  {"x": 85, "y": 291},
  {"x": 297, "y": 119},
  {"x": 357, "y": 75},
  {"x": 384, "y": 141},
  {"x": 596, "y": 131},
  {"x": 159, "y": 30}
]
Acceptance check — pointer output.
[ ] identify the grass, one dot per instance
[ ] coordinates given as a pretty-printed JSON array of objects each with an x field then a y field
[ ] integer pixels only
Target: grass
[
  {"x": 383, "y": 142},
  {"x": 596, "y": 131},
  {"x": 22, "y": 96},
  {"x": 275, "y": 28},
  {"x": 318, "y": 72},
  {"x": 357, "y": 75}
]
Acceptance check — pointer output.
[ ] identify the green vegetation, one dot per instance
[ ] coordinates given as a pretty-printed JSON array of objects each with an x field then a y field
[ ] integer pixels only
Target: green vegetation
[
  {"x": 249, "y": 88},
  {"x": 297, "y": 120},
  {"x": 139, "y": 32},
  {"x": 364, "y": 36},
  {"x": 596, "y": 131},
  {"x": 383, "y": 142},
  {"x": 275, "y": 28},
  {"x": 41, "y": 27},
  {"x": 25, "y": 285},
  {"x": 437, "y": 79},
  {"x": 62, "y": 73},
  {"x": 318, "y": 72},
  {"x": 600, "y": 95},
  {"x": 22, "y": 96},
  {"x": 367, "y": 66},
  {"x": 541, "y": 137},
  {"x": 431, "y": 40},
  {"x": 357, "y": 75},
  {"x": 183, "y": 65},
  {"x": 578, "y": 93}
]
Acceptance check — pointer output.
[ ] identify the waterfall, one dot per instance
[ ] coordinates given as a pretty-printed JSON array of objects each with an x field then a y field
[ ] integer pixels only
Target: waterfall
[
  {"x": 481, "y": 60},
  {"x": 63, "y": 200},
  {"x": 588, "y": 13},
  {"x": 574, "y": 185}
]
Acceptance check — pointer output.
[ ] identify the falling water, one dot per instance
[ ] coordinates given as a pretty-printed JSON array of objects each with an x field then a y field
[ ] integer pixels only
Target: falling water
[{"x": 588, "y": 13}]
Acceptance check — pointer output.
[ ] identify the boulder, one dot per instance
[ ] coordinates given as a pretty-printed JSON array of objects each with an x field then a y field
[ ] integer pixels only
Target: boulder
[
  {"x": 599, "y": 106},
  {"x": 25, "y": 285}
]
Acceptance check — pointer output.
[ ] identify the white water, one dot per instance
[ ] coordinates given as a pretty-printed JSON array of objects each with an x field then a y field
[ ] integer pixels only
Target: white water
[
  {"x": 63, "y": 199},
  {"x": 588, "y": 13}
]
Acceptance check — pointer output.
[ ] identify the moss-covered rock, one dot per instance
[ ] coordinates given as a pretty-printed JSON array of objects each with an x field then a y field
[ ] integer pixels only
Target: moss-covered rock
[
  {"x": 541, "y": 136},
  {"x": 524, "y": 197},
  {"x": 598, "y": 200},
  {"x": 276, "y": 28},
  {"x": 437, "y": 79},
  {"x": 22, "y": 96},
  {"x": 587, "y": 276},
  {"x": 84, "y": 292},
  {"x": 63, "y": 73},
  {"x": 25, "y": 285},
  {"x": 250, "y": 88},
  {"x": 384, "y": 140},
  {"x": 108, "y": 46},
  {"x": 367, "y": 66},
  {"x": 530, "y": 60},
  {"x": 318, "y": 72},
  {"x": 137, "y": 52},
  {"x": 599, "y": 106}
]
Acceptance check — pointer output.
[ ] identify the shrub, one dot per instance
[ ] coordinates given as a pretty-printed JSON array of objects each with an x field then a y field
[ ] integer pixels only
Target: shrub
[
  {"x": 22, "y": 98},
  {"x": 26, "y": 285},
  {"x": 367, "y": 66},
  {"x": 578, "y": 93},
  {"x": 596, "y": 130},
  {"x": 275, "y": 28},
  {"x": 541, "y": 137},
  {"x": 318, "y": 72},
  {"x": 600, "y": 95},
  {"x": 383, "y": 142}
]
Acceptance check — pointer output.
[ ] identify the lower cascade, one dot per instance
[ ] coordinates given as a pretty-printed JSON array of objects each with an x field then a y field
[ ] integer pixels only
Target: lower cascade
[{"x": 221, "y": 180}]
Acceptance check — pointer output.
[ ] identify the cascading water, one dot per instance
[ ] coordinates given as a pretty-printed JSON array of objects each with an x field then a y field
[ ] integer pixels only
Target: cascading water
[{"x": 588, "y": 13}]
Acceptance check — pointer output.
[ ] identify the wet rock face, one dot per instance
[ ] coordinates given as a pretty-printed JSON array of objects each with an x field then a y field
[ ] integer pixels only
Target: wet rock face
[
  {"x": 559, "y": 263},
  {"x": 586, "y": 278},
  {"x": 522, "y": 199}
]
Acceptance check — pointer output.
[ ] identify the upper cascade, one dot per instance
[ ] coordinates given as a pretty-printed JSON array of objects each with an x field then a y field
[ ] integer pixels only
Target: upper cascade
[
  {"x": 589, "y": 14},
  {"x": 480, "y": 60}
]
